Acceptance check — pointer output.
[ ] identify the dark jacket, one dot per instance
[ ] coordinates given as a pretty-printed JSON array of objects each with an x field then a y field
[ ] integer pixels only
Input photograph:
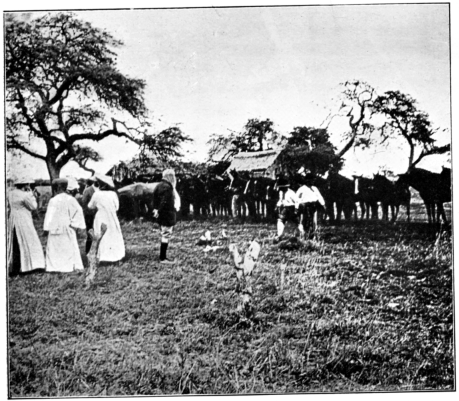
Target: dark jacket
[
  {"x": 163, "y": 201},
  {"x": 87, "y": 195}
]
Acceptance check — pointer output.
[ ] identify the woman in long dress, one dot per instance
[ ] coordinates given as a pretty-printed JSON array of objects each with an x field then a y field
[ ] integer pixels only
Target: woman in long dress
[
  {"x": 63, "y": 217},
  {"x": 105, "y": 200},
  {"x": 25, "y": 252}
]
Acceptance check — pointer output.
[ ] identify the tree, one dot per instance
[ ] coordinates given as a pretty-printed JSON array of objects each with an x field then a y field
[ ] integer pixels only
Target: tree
[
  {"x": 310, "y": 148},
  {"x": 355, "y": 104},
  {"x": 63, "y": 90},
  {"x": 164, "y": 146},
  {"x": 402, "y": 118},
  {"x": 257, "y": 135}
]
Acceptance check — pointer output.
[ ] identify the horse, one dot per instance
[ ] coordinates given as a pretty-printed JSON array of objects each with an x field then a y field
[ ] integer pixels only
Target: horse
[
  {"x": 366, "y": 196},
  {"x": 219, "y": 196},
  {"x": 238, "y": 187},
  {"x": 340, "y": 191},
  {"x": 200, "y": 199},
  {"x": 264, "y": 196},
  {"x": 392, "y": 195},
  {"x": 185, "y": 191},
  {"x": 433, "y": 188}
]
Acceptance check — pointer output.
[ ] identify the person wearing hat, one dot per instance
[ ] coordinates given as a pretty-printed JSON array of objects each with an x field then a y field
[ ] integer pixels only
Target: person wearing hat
[
  {"x": 91, "y": 186},
  {"x": 164, "y": 209},
  {"x": 72, "y": 187},
  {"x": 106, "y": 203},
  {"x": 310, "y": 200},
  {"x": 24, "y": 250},
  {"x": 64, "y": 216},
  {"x": 287, "y": 206}
]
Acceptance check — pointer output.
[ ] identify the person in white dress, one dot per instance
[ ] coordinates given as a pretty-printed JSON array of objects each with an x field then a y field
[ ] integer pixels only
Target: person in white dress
[
  {"x": 105, "y": 200},
  {"x": 63, "y": 217},
  {"x": 24, "y": 250}
]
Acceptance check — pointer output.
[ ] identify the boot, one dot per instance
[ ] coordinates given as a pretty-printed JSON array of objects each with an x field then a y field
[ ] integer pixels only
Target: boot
[{"x": 162, "y": 254}]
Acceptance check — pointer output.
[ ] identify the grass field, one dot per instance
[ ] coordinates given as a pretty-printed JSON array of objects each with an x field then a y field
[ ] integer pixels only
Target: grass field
[{"x": 366, "y": 307}]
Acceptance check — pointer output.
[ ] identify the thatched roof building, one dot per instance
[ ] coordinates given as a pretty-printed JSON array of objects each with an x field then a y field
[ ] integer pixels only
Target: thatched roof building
[{"x": 263, "y": 162}]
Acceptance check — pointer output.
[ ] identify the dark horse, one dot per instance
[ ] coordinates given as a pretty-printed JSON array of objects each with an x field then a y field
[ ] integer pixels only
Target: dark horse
[
  {"x": 433, "y": 188},
  {"x": 391, "y": 195},
  {"x": 219, "y": 196},
  {"x": 239, "y": 189},
  {"x": 366, "y": 196},
  {"x": 339, "y": 191}
]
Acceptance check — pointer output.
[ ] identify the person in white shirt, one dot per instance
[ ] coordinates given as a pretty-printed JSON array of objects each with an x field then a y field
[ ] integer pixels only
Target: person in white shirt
[
  {"x": 24, "y": 250},
  {"x": 105, "y": 201},
  {"x": 63, "y": 217},
  {"x": 287, "y": 207},
  {"x": 310, "y": 200}
]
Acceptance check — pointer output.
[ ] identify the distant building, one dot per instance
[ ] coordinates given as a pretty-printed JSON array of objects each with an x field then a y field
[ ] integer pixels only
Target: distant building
[
  {"x": 125, "y": 173},
  {"x": 265, "y": 162}
]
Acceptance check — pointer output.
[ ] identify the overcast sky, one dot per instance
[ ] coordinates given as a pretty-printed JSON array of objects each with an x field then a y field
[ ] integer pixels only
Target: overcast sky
[{"x": 212, "y": 69}]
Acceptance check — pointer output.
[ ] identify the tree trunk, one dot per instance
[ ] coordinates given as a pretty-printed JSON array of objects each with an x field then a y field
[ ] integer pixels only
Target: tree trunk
[
  {"x": 410, "y": 160},
  {"x": 348, "y": 145},
  {"x": 53, "y": 170}
]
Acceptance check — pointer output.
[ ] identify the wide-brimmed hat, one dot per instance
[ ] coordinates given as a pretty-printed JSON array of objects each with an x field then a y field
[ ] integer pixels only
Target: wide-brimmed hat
[
  {"x": 60, "y": 181},
  {"x": 105, "y": 179},
  {"x": 72, "y": 184},
  {"x": 283, "y": 182},
  {"x": 22, "y": 180}
]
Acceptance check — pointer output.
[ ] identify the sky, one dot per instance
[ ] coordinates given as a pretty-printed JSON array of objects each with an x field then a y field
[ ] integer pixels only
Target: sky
[{"x": 209, "y": 70}]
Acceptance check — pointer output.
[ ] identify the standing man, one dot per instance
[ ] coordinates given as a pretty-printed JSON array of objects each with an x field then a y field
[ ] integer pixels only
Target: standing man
[
  {"x": 63, "y": 217},
  {"x": 310, "y": 200},
  {"x": 287, "y": 207},
  {"x": 164, "y": 209},
  {"x": 88, "y": 213},
  {"x": 72, "y": 186}
]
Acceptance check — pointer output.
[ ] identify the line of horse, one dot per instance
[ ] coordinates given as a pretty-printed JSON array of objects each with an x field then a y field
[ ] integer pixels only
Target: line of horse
[{"x": 245, "y": 195}]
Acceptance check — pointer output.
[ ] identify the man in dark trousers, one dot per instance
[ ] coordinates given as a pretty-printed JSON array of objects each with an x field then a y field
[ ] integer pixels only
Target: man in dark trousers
[
  {"x": 88, "y": 213},
  {"x": 164, "y": 211}
]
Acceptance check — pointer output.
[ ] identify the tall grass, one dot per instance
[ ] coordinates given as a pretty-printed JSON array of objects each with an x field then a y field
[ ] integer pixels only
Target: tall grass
[{"x": 366, "y": 307}]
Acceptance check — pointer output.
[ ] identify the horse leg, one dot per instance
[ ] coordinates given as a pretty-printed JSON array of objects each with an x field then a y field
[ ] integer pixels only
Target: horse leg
[
  {"x": 374, "y": 211},
  {"x": 314, "y": 221},
  {"x": 395, "y": 210},
  {"x": 339, "y": 208},
  {"x": 429, "y": 211},
  {"x": 331, "y": 211},
  {"x": 234, "y": 205},
  {"x": 441, "y": 212}
]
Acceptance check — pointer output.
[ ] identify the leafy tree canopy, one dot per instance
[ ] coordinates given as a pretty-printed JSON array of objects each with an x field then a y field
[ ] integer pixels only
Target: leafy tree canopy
[
  {"x": 64, "y": 90},
  {"x": 404, "y": 119},
  {"x": 257, "y": 135},
  {"x": 310, "y": 148},
  {"x": 165, "y": 146}
]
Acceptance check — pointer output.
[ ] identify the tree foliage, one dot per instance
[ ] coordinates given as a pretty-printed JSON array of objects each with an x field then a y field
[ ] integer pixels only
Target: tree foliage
[
  {"x": 165, "y": 146},
  {"x": 63, "y": 89},
  {"x": 310, "y": 148},
  {"x": 402, "y": 118},
  {"x": 257, "y": 135}
]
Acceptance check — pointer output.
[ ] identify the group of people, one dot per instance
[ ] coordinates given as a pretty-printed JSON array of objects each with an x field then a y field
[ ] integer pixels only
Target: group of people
[
  {"x": 298, "y": 207},
  {"x": 67, "y": 213}
]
